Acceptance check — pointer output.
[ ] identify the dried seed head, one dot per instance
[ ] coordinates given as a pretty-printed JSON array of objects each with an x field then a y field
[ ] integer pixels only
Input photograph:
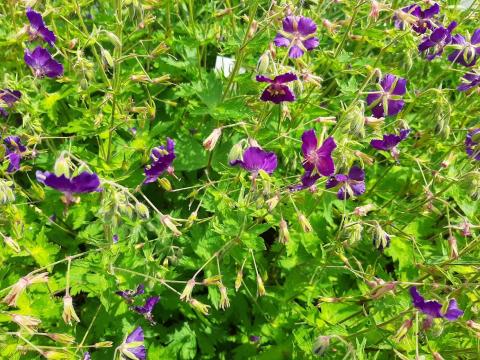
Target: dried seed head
[
  {"x": 187, "y": 291},
  {"x": 224, "y": 301},
  {"x": 69, "y": 313}
]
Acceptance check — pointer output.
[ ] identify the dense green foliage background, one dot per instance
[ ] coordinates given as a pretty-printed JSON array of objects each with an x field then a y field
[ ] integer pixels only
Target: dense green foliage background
[{"x": 149, "y": 65}]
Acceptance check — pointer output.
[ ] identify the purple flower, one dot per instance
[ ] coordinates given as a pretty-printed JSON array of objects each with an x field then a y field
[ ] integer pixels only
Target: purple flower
[
  {"x": 388, "y": 100},
  {"x": 255, "y": 159},
  {"x": 317, "y": 159},
  {"x": 42, "y": 63},
  {"x": 37, "y": 27},
  {"x": 84, "y": 182},
  {"x": 277, "y": 92},
  {"x": 128, "y": 295},
  {"x": 308, "y": 180},
  {"x": 298, "y": 35},
  {"x": 468, "y": 52},
  {"x": 433, "y": 308},
  {"x": 470, "y": 80},
  {"x": 351, "y": 184},
  {"x": 472, "y": 144},
  {"x": 133, "y": 347},
  {"x": 254, "y": 338},
  {"x": 115, "y": 238},
  {"x": 9, "y": 97},
  {"x": 147, "y": 309},
  {"x": 86, "y": 356},
  {"x": 162, "y": 158},
  {"x": 390, "y": 142},
  {"x": 434, "y": 44},
  {"x": 422, "y": 22},
  {"x": 14, "y": 152}
]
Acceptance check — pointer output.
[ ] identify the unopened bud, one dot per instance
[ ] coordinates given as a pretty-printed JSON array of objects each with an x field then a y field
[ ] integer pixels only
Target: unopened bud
[
  {"x": 140, "y": 78},
  {"x": 320, "y": 346},
  {"x": 187, "y": 291},
  {"x": 6, "y": 193},
  {"x": 273, "y": 202},
  {"x": 473, "y": 325},
  {"x": 142, "y": 210},
  {"x": 260, "y": 286},
  {"x": 236, "y": 152},
  {"x": 161, "y": 79},
  {"x": 103, "y": 344},
  {"x": 366, "y": 159},
  {"x": 210, "y": 142},
  {"x": 62, "y": 338},
  {"x": 253, "y": 29},
  {"x": 62, "y": 166},
  {"x": 381, "y": 290},
  {"x": 69, "y": 313},
  {"x": 304, "y": 223},
  {"x": 437, "y": 356},
  {"x": 224, "y": 301},
  {"x": 72, "y": 43},
  {"x": 452, "y": 242},
  {"x": 263, "y": 63},
  {"x": 168, "y": 222},
  {"x": 363, "y": 210},
  {"x": 403, "y": 330},
  {"x": 326, "y": 120},
  {"x": 26, "y": 322},
  {"x": 238, "y": 279},
  {"x": 200, "y": 307},
  {"x": 381, "y": 240},
  {"x": 213, "y": 280},
  {"x": 11, "y": 243},
  {"x": 283, "y": 234}
]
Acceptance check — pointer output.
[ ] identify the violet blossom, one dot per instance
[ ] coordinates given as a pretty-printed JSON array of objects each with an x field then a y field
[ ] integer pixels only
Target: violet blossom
[
  {"x": 37, "y": 27},
  {"x": 434, "y": 44},
  {"x": 84, "y": 182},
  {"x": 146, "y": 310},
  {"x": 128, "y": 295},
  {"x": 298, "y": 35},
  {"x": 469, "y": 81},
  {"x": 422, "y": 18},
  {"x": 14, "y": 152},
  {"x": 162, "y": 158},
  {"x": 9, "y": 98},
  {"x": 388, "y": 99},
  {"x": 467, "y": 52},
  {"x": 133, "y": 347},
  {"x": 307, "y": 181},
  {"x": 42, "y": 63},
  {"x": 277, "y": 91},
  {"x": 390, "y": 142},
  {"x": 351, "y": 184},
  {"x": 255, "y": 159},
  {"x": 433, "y": 308},
  {"x": 317, "y": 160},
  {"x": 472, "y": 144}
]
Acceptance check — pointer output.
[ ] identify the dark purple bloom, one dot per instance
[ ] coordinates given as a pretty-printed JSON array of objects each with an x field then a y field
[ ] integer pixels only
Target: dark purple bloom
[
  {"x": 470, "y": 81},
  {"x": 390, "y": 142},
  {"x": 472, "y": 144},
  {"x": 254, "y": 338},
  {"x": 298, "y": 35},
  {"x": 37, "y": 27},
  {"x": 115, "y": 238},
  {"x": 351, "y": 184},
  {"x": 255, "y": 159},
  {"x": 308, "y": 180},
  {"x": 433, "y": 308},
  {"x": 422, "y": 18},
  {"x": 434, "y": 44},
  {"x": 9, "y": 97},
  {"x": 162, "y": 158},
  {"x": 317, "y": 160},
  {"x": 85, "y": 182},
  {"x": 14, "y": 152},
  {"x": 277, "y": 92},
  {"x": 388, "y": 100},
  {"x": 42, "y": 63},
  {"x": 147, "y": 309},
  {"x": 133, "y": 347},
  {"x": 128, "y": 295},
  {"x": 467, "y": 52}
]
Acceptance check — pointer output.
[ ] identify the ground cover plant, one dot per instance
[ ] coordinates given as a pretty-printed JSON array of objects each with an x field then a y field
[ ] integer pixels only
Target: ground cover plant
[{"x": 239, "y": 179}]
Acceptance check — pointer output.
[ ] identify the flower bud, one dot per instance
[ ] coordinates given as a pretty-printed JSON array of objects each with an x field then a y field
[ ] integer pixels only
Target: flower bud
[
  {"x": 473, "y": 325},
  {"x": 103, "y": 344},
  {"x": 17, "y": 289},
  {"x": 168, "y": 222},
  {"x": 284, "y": 234},
  {"x": 11, "y": 243},
  {"x": 224, "y": 302},
  {"x": 374, "y": 122},
  {"x": 452, "y": 242},
  {"x": 381, "y": 290},
  {"x": 69, "y": 311},
  {"x": 320, "y": 346},
  {"x": 26, "y": 322},
  {"x": 213, "y": 280},
  {"x": 141, "y": 78},
  {"x": 403, "y": 330},
  {"x": 381, "y": 240},
  {"x": 72, "y": 43},
  {"x": 353, "y": 233},
  {"x": 260, "y": 286},
  {"x": 364, "y": 157},
  {"x": 304, "y": 223},
  {"x": 263, "y": 63},
  {"x": 160, "y": 49},
  {"x": 363, "y": 210},
  {"x": 326, "y": 120},
  {"x": 200, "y": 307},
  {"x": 238, "y": 279},
  {"x": 107, "y": 57},
  {"x": 354, "y": 122},
  {"x": 375, "y": 8},
  {"x": 161, "y": 79},
  {"x": 165, "y": 184},
  {"x": 142, "y": 210},
  {"x": 273, "y": 202},
  {"x": 210, "y": 142},
  {"x": 62, "y": 338},
  {"x": 56, "y": 354},
  {"x": 236, "y": 152},
  {"x": 62, "y": 166},
  {"x": 187, "y": 291}
]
